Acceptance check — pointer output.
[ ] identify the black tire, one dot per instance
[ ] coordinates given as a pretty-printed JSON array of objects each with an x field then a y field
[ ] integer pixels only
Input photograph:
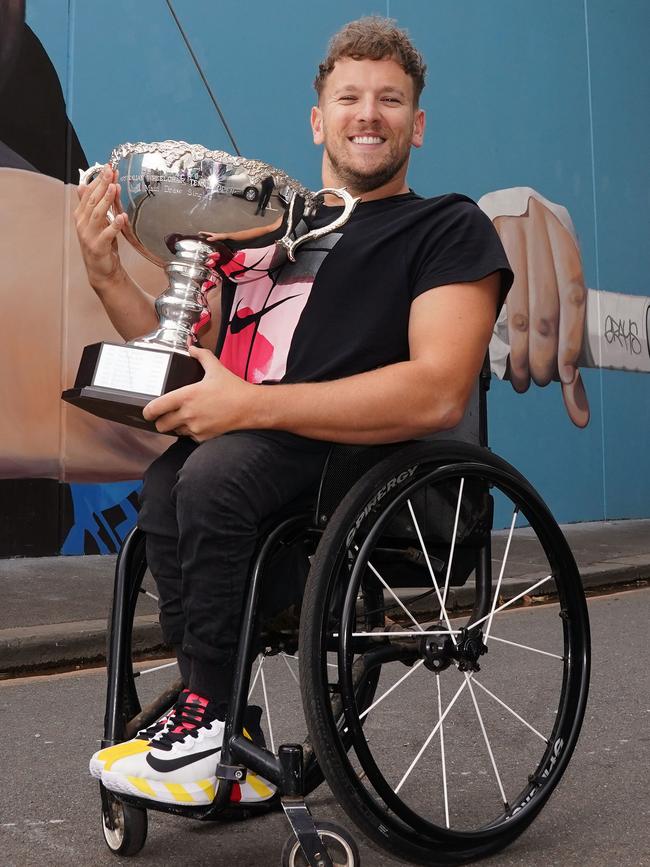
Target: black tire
[
  {"x": 251, "y": 194},
  {"x": 339, "y": 843},
  {"x": 125, "y": 828},
  {"x": 383, "y": 528}
]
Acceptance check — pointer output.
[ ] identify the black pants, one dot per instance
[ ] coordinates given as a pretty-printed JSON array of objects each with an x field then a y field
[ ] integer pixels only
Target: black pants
[{"x": 202, "y": 507}]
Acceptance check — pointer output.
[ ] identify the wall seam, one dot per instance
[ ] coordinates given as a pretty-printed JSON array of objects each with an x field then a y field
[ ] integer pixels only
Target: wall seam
[{"x": 595, "y": 209}]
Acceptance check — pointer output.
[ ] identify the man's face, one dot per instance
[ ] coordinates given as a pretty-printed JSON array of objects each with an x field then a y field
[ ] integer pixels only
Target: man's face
[{"x": 367, "y": 120}]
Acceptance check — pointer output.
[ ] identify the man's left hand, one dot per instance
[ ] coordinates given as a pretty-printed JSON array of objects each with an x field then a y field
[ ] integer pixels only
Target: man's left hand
[{"x": 206, "y": 409}]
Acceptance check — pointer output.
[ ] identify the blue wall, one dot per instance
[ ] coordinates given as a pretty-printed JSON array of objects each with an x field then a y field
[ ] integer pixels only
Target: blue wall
[{"x": 552, "y": 95}]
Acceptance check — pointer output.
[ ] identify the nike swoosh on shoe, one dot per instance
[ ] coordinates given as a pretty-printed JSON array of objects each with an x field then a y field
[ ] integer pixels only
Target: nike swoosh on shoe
[{"x": 164, "y": 767}]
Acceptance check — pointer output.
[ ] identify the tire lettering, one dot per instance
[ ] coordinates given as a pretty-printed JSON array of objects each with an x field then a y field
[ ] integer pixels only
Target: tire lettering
[{"x": 381, "y": 493}]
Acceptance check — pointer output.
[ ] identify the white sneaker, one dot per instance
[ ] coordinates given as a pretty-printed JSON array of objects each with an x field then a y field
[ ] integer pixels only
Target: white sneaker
[
  {"x": 178, "y": 766},
  {"x": 105, "y": 757}
]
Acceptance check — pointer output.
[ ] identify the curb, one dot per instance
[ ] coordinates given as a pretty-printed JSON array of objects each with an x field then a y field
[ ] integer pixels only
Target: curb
[
  {"x": 30, "y": 649},
  {"x": 27, "y": 650}
]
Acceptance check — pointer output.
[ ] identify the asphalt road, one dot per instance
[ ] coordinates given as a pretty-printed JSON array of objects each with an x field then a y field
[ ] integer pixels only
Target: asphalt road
[{"x": 599, "y": 816}]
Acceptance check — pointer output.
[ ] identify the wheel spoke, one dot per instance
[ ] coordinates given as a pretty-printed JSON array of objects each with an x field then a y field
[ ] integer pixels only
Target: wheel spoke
[
  {"x": 396, "y": 598},
  {"x": 390, "y": 689},
  {"x": 267, "y": 708},
  {"x": 453, "y": 544},
  {"x": 443, "y": 610},
  {"x": 149, "y": 594},
  {"x": 442, "y": 753},
  {"x": 433, "y": 734},
  {"x": 487, "y": 742},
  {"x": 510, "y": 710},
  {"x": 511, "y": 601},
  {"x": 527, "y": 647},
  {"x": 397, "y": 633},
  {"x": 158, "y": 668},
  {"x": 291, "y": 671},
  {"x": 503, "y": 567},
  {"x": 257, "y": 674}
]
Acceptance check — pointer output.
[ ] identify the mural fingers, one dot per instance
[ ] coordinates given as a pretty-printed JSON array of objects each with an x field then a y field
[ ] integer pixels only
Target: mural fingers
[
  {"x": 514, "y": 242},
  {"x": 573, "y": 298},
  {"x": 575, "y": 400},
  {"x": 543, "y": 296}
]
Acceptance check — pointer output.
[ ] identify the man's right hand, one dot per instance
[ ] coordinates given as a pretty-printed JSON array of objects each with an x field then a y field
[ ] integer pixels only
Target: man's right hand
[{"x": 97, "y": 235}]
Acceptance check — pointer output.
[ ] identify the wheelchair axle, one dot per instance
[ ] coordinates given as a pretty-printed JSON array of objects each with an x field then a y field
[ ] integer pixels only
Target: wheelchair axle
[{"x": 465, "y": 652}]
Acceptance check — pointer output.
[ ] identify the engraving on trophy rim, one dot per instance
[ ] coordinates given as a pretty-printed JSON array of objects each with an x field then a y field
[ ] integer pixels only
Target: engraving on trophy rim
[{"x": 173, "y": 151}]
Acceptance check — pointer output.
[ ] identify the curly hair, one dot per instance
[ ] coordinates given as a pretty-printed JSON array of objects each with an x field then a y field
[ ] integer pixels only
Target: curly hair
[{"x": 374, "y": 38}]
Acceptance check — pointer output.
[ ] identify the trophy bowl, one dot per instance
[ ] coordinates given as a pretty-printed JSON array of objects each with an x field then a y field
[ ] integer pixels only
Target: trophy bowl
[{"x": 175, "y": 194}]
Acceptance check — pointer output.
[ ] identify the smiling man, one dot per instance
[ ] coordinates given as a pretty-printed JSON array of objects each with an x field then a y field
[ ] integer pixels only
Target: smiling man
[{"x": 375, "y": 334}]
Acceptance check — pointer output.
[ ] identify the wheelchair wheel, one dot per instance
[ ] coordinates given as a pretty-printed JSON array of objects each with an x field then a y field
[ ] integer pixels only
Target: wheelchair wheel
[
  {"x": 340, "y": 845},
  {"x": 482, "y": 650},
  {"x": 124, "y": 826}
]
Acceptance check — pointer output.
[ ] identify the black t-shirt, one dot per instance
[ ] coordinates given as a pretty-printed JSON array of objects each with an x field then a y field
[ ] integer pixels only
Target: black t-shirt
[{"x": 343, "y": 307}]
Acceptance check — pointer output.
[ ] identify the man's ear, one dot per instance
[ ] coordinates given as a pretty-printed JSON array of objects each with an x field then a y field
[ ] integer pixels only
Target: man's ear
[
  {"x": 316, "y": 120},
  {"x": 419, "y": 122}
]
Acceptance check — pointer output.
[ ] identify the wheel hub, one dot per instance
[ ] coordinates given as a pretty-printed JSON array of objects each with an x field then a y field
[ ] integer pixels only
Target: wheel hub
[{"x": 439, "y": 652}]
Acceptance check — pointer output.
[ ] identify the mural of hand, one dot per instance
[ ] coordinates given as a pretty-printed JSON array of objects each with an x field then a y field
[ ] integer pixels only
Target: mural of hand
[{"x": 546, "y": 306}]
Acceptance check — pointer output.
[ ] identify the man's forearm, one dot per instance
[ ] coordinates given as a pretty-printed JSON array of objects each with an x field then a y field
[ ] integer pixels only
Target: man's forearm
[
  {"x": 130, "y": 309},
  {"x": 390, "y": 404}
]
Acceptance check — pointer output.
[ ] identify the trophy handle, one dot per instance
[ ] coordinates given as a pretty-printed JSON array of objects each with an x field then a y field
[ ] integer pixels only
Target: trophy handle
[
  {"x": 349, "y": 204},
  {"x": 87, "y": 176}
]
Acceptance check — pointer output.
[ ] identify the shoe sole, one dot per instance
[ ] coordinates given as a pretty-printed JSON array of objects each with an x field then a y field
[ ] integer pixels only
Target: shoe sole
[
  {"x": 199, "y": 793},
  {"x": 254, "y": 790}
]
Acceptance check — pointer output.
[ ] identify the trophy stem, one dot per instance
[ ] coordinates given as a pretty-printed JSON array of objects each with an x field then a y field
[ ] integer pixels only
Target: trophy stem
[{"x": 182, "y": 308}]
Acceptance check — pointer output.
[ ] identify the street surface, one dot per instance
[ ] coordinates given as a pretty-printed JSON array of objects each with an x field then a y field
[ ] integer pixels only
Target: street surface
[{"x": 598, "y": 817}]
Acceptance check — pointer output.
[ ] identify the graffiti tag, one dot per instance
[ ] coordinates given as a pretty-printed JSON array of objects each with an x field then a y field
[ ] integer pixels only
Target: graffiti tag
[{"x": 624, "y": 332}]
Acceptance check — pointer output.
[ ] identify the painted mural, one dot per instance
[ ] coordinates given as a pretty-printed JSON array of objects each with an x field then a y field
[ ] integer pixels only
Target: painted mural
[
  {"x": 50, "y": 313},
  {"x": 69, "y": 481}
]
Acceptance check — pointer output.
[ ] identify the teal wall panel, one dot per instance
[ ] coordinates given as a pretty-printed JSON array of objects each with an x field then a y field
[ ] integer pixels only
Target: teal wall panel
[
  {"x": 620, "y": 84},
  {"x": 551, "y": 95}
]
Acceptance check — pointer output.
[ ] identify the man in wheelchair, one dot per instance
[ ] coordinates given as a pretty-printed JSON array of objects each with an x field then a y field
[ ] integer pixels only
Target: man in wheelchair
[{"x": 376, "y": 334}]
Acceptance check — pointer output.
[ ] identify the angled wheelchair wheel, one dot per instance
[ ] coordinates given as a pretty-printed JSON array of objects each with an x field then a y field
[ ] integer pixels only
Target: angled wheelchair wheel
[
  {"x": 125, "y": 827},
  {"x": 339, "y": 843},
  {"x": 481, "y": 653}
]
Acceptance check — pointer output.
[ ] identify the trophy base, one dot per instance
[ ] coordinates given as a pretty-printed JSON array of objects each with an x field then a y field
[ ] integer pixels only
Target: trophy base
[{"x": 115, "y": 381}]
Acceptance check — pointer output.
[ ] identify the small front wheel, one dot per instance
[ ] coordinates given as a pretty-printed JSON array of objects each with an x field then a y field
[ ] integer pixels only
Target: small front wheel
[
  {"x": 124, "y": 826},
  {"x": 339, "y": 843}
]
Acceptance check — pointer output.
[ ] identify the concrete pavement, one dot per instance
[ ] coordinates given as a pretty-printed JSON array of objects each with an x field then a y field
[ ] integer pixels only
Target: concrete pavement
[
  {"x": 598, "y": 817},
  {"x": 53, "y": 610}
]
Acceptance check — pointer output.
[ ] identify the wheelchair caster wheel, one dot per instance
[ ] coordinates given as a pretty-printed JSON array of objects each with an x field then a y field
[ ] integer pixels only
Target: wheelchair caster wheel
[
  {"x": 124, "y": 827},
  {"x": 339, "y": 843}
]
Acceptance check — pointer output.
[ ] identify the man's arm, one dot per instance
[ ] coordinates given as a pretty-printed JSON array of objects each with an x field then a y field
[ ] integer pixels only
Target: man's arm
[{"x": 449, "y": 331}]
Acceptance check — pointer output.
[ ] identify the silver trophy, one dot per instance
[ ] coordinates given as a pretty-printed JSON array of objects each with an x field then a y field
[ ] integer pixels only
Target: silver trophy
[{"x": 173, "y": 192}]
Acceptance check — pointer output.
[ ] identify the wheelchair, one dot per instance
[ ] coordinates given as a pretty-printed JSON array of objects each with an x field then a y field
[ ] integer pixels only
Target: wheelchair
[{"x": 443, "y": 650}]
